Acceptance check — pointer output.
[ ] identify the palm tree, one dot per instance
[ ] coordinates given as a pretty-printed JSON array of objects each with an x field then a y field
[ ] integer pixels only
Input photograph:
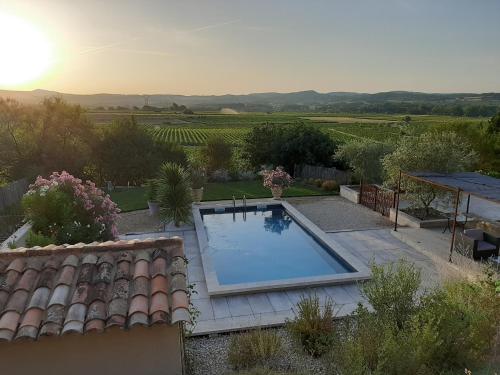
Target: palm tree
[{"x": 174, "y": 195}]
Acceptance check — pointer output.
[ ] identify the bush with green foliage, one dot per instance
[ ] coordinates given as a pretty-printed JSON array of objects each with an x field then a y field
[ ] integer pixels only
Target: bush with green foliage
[
  {"x": 38, "y": 139},
  {"x": 443, "y": 152},
  {"x": 62, "y": 209},
  {"x": 255, "y": 348},
  {"x": 174, "y": 194},
  {"x": 197, "y": 178},
  {"x": 152, "y": 190},
  {"x": 288, "y": 145},
  {"x": 365, "y": 158},
  {"x": 313, "y": 325},
  {"x": 127, "y": 153},
  {"x": 443, "y": 331},
  {"x": 217, "y": 153},
  {"x": 330, "y": 185}
]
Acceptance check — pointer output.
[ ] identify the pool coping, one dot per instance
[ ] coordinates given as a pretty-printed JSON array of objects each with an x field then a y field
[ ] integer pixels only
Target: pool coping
[{"x": 361, "y": 271}]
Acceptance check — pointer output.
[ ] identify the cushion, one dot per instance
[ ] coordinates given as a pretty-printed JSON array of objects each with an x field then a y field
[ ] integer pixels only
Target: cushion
[
  {"x": 485, "y": 246},
  {"x": 475, "y": 234}
]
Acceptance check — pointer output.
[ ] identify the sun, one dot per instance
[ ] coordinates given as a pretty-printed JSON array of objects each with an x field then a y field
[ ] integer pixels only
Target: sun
[{"x": 25, "y": 52}]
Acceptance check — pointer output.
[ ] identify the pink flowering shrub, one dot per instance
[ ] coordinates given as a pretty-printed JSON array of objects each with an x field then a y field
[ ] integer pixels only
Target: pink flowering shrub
[
  {"x": 66, "y": 210},
  {"x": 276, "y": 178}
]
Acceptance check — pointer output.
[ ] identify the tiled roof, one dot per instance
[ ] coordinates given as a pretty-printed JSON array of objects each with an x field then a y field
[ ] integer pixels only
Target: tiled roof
[{"x": 81, "y": 288}]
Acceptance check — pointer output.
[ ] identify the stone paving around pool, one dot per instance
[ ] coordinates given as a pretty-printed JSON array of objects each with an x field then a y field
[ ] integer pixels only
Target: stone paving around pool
[
  {"x": 232, "y": 313},
  {"x": 370, "y": 239}
]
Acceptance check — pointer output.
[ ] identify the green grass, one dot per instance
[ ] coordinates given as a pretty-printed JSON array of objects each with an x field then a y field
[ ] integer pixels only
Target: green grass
[{"x": 133, "y": 199}]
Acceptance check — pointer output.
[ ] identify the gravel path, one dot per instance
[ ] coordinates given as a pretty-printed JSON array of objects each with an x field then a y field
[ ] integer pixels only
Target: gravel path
[
  {"x": 138, "y": 221},
  {"x": 337, "y": 213},
  {"x": 208, "y": 356}
]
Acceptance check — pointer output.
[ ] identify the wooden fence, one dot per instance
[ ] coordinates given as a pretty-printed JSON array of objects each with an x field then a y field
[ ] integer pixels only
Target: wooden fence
[
  {"x": 311, "y": 171},
  {"x": 12, "y": 193}
]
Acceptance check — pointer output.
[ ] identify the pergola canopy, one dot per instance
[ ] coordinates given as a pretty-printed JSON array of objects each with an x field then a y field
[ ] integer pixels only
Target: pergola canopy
[{"x": 472, "y": 183}]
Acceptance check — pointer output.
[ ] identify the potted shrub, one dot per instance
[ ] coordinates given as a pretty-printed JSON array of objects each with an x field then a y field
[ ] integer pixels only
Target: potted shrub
[
  {"x": 152, "y": 196},
  {"x": 277, "y": 180},
  {"x": 174, "y": 194},
  {"x": 197, "y": 176}
]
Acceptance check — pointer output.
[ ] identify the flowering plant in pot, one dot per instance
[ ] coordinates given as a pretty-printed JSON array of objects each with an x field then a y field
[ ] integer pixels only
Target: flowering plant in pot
[
  {"x": 152, "y": 196},
  {"x": 277, "y": 180},
  {"x": 198, "y": 179},
  {"x": 63, "y": 209}
]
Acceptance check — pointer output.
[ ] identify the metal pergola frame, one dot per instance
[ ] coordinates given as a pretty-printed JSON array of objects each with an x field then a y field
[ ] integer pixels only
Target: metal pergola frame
[{"x": 457, "y": 191}]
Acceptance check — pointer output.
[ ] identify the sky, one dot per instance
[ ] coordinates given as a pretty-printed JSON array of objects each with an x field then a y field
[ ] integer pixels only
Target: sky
[{"x": 218, "y": 47}]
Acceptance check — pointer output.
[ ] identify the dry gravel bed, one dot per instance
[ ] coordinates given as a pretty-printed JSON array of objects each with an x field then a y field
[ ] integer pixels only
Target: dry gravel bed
[{"x": 208, "y": 356}]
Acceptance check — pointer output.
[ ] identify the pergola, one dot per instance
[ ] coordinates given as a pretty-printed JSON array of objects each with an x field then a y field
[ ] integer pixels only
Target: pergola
[{"x": 470, "y": 183}]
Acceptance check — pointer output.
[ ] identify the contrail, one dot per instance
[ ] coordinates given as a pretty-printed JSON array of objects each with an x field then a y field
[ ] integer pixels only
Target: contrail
[{"x": 207, "y": 27}]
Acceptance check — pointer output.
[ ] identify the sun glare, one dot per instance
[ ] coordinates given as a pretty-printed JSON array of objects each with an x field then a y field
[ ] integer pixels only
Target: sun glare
[{"x": 25, "y": 52}]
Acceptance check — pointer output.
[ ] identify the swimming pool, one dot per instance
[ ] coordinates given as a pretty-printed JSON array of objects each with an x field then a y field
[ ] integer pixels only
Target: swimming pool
[{"x": 266, "y": 247}]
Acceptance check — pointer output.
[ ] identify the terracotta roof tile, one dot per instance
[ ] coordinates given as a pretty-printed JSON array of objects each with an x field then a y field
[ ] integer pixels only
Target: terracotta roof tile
[
  {"x": 178, "y": 282},
  {"x": 67, "y": 275},
  {"x": 26, "y": 282},
  {"x": 159, "y": 284},
  {"x": 138, "y": 318},
  {"x": 17, "y": 301},
  {"x": 139, "y": 303},
  {"x": 39, "y": 298},
  {"x": 140, "y": 286},
  {"x": 84, "y": 288},
  {"x": 95, "y": 325},
  {"x": 8, "y": 280},
  {"x": 179, "y": 299},
  {"x": 60, "y": 295},
  {"x": 141, "y": 269},
  {"x": 159, "y": 302},
  {"x": 17, "y": 265},
  {"x": 27, "y": 333}
]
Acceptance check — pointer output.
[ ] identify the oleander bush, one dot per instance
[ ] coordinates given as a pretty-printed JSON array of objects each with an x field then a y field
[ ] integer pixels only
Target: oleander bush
[
  {"x": 313, "y": 327},
  {"x": 63, "y": 209},
  {"x": 443, "y": 331},
  {"x": 254, "y": 348}
]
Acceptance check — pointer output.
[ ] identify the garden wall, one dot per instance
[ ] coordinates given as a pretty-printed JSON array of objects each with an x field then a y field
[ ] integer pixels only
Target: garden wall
[
  {"x": 12, "y": 193},
  {"x": 311, "y": 171}
]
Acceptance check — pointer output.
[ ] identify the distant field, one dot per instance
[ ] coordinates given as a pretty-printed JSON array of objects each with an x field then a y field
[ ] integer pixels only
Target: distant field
[
  {"x": 195, "y": 129},
  {"x": 347, "y": 120}
]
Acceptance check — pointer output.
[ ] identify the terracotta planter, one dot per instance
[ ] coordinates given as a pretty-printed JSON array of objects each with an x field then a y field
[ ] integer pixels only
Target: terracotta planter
[
  {"x": 277, "y": 192},
  {"x": 154, "y": 208},
  {"x": 197, "y": 195}
]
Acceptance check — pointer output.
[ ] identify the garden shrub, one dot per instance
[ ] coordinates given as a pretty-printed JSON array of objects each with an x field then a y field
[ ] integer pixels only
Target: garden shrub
[
  {"x": 318, "y": 182},
  {"x": 313, "y": 325},
  {"x": 330, "y": 185},
  {"x": 152, "y": 190},
  {"x": 442, "y": 332},
  {"x": 254, "y": 348},
  {"x": 218, "y": 153},
  {"x": 392, "y": 292},
  {"x": 65, "y": 210},
  {"x": 174, "y": 194},
  {"x": 38, "y": 239}
]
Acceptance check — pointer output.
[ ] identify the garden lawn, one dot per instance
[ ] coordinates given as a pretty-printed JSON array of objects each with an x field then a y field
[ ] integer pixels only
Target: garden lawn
[{"x": 131, "y": 199}]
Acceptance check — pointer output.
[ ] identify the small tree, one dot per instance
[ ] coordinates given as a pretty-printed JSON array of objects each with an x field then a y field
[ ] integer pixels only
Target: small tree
[
  {"x": 218, "y": 153},
  {"x": 365, "y": 158},
  {"x": 174, "y": 194},
  {"x": 443, "y": 152}
]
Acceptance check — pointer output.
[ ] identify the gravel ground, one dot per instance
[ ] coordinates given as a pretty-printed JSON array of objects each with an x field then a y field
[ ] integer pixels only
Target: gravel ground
[
  {"x": 208, "y": 356},
  {"x": 138, "y": 221},
  {"x": 337, "y": 213}
]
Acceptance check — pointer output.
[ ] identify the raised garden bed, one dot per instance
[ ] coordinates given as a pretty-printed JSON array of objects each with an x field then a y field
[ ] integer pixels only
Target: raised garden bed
[{"x": 406, "y": 218}]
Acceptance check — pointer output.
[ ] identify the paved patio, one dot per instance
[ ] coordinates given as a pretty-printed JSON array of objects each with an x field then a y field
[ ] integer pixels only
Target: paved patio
[{"x": 223, "y": 314}]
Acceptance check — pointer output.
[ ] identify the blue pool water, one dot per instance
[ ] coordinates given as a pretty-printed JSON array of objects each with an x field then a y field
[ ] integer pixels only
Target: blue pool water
[{"x": 264, "y": 246}]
